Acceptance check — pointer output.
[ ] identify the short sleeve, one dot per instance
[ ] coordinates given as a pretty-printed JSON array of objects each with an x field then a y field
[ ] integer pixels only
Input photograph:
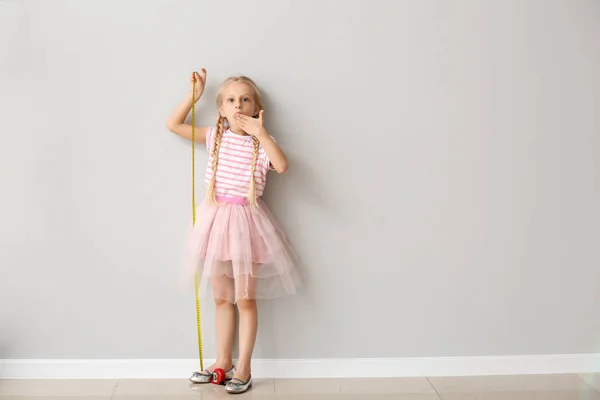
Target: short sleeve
[
  {"x": 210, "y": 137},
  {"x": 268, "y": 165}
]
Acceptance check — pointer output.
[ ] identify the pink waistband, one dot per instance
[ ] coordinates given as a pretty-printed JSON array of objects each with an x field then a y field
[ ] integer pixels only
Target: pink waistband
[{"x": 238, "y": 201}]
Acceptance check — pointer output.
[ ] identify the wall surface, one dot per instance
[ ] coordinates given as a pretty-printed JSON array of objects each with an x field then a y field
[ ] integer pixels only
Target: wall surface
[{"x": 443, "y": 188}]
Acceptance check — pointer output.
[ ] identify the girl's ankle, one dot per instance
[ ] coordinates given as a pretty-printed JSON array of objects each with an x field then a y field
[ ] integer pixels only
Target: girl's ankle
[
  {"x": 226, "y": 364},
  {"x": 243, "y": 370}
]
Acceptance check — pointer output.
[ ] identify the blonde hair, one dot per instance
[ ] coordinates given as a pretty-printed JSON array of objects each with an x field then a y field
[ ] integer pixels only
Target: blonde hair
[{"x": 210, "y": 190}]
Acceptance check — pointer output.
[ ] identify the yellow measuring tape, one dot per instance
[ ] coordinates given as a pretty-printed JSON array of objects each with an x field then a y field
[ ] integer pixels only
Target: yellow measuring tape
[{"x": 199, "y": 321}]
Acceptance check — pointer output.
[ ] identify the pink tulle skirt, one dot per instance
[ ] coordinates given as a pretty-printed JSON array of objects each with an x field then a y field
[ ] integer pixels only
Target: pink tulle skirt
[{"x": 239, "y": 252}]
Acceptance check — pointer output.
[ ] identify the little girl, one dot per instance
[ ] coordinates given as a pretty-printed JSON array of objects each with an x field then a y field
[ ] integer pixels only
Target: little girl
[{"x": 236, "y": 246}]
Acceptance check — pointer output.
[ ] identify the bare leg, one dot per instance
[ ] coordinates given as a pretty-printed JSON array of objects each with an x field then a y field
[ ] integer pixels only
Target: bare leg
[
  {"x": 225, "y": 320},
  {"x": 225, "y": 325},
  {"x": 248, "y": 330}
]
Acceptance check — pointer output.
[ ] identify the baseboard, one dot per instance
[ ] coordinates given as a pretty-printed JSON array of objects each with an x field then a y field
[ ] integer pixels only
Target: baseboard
[{"x": 307, "y": 368}]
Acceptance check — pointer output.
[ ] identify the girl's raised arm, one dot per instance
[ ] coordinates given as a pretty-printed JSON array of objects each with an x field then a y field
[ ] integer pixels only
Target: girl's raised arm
[{"x": 176, "y": 121}]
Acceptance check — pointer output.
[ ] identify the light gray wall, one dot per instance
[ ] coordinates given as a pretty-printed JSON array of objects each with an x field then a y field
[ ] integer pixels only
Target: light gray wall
[{"x": 443, "y": 190}]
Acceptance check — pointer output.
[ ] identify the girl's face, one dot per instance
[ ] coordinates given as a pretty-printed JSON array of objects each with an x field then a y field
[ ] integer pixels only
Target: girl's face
[{"x": 238, "y": 97}]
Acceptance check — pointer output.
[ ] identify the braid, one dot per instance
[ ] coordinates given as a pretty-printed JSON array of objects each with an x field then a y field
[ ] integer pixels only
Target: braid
[
  {"x": 210, "y": 190},
  {"x": 252, "y": 191}
]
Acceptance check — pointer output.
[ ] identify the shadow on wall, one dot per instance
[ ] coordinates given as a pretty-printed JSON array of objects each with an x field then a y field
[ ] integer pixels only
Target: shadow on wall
[
  {"x": 300, "y": 191},
  {"x": 304, "y": 179},
  {"x": 298, "y": 187}
]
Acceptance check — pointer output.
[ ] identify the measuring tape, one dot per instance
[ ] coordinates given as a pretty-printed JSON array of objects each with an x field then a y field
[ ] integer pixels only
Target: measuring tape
[{"x": 198, "y": 319}]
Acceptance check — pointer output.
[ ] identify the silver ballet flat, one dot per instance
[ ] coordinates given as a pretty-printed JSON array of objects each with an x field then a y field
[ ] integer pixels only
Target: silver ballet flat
[
  {"x": 206, "y": 377},
  {"x": 236, "y": 386}
]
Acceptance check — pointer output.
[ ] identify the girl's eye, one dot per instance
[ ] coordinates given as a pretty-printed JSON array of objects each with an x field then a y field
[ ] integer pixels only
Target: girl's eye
[
  {"x": 230, "y": 100},
  {"x": 246, "y": 99}
]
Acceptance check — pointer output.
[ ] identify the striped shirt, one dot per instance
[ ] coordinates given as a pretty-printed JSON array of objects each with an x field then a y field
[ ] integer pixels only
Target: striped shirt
[{"x": 234, "y": 163}]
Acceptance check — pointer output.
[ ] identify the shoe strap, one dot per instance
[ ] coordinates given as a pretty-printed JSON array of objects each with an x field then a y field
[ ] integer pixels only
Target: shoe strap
[
  {"x": 209, "y": 373},
  {"x": 241, "y": 381}
]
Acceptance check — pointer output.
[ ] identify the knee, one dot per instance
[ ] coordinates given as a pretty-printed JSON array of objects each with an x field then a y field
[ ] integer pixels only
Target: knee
[
  {"x": 246, "y": 305},
  {"x": 222, "y": 303}
]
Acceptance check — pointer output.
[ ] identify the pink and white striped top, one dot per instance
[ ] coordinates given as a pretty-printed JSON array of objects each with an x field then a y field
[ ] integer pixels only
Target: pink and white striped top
[{"x": 234, "y": 163}]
